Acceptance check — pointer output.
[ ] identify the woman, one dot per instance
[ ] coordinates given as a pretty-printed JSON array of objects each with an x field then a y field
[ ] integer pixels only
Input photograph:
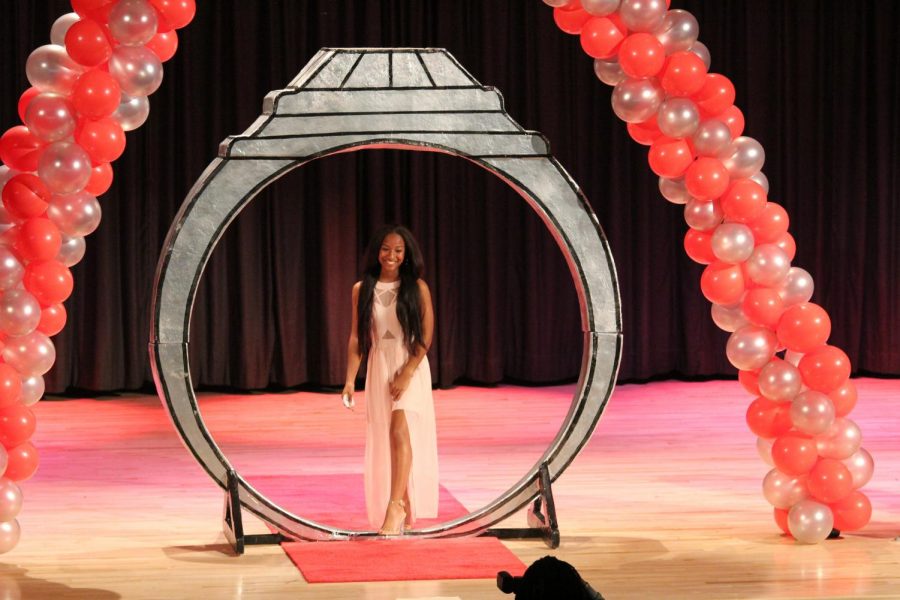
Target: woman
[{"x": 392, "y": 324}]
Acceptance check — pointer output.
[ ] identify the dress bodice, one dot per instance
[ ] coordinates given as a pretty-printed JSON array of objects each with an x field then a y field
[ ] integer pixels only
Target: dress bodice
[{"x": 385, "y": 325}]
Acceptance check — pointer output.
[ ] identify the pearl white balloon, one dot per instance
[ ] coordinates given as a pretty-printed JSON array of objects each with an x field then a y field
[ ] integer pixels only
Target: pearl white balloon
[
  {"x": 745, "y": 158},
  {"x": 65, "y": 167},
  {"x": 768, "y": 265},
  {"x": 793, "y": 357},
  {"x": 132, "y": 112},
  {"x": 702, "y": 215},
  {"x": 784, "y": 491},
  {"x": 31, "y": 354},
  {"x": 61, "y": 27},
  {"x": 76, "y": 215},
  {"x": 797, "y": 287},
  {"x": 10, "y": 498},
  {"x": 636, "y": 100},
  {"x": 20, "y": 312},
  {"x": 840, "y": 440},
  {"x": 732, "y": 242},
  {"x": 810, "y": 522},
  {"x": 712, "y": 138},
  {"x": 556, "y": 3},
  {"x": 812, "y": 412},
  {"x": 609, "y": 71},
  {"x": 679, "y": 31},
  {"x": 137, "y": 69},
  {"x": 700, "y": 49},
  {"x": 11, "y": 270},
  {"x": 728, "y": 318},
  {"x": 71, "y": 251},
  {"x": 678, "y": 117},
  {"x": 50, "y": 69},
  {"x": 760, "y": 178},
  {"x": 642, "y": 15},
  {"x": 674, "y": 190},
  {"x": 132, "y": 22},
  {"x": 779, "y": 381},
  {"x": 751, "y": 347},
  {"x": 600, "y": 8},
  {"x": 32, "y": 389},
  {"x": 861, "y": 467},
  {"x": 50, "y": 117},
  {"x": 764, "y": 448},
  {"x": 9, "y": 535}
]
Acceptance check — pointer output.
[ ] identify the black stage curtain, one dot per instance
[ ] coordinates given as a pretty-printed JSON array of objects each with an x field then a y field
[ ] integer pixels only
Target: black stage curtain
[{"x": 818, "y": 83}]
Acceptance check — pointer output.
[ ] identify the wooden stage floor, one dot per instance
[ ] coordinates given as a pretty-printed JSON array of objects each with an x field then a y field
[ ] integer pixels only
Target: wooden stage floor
[{"x": 665, "y": 501}]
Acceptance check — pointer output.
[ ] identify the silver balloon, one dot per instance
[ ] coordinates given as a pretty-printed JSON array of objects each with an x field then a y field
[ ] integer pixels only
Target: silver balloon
[
  {"x": 751, "y": 347},
  {"x": 556, "y": 3},
  {"x": 600, "y": 8},
  {"x": 636, "y": 100},
  {"x": 812, "y": 412},
  {"x": 32, "y": 389},
  {"x": 76, "y": 214},
  {"x": 678, "y": 117},
  {"x": 712, "y": 138},
  {"x": 132, "y": 112},
  {"x": 768, "y": 265},
  {"x": 861, "y": 467},
  {"x": 728, "y": 318},
  {"x": 679, "y": 31},
  {"x": 764, "y": 448},
  {"x": 31, "y": 354},
  {"x": 61, "y": 27},
  {"x": 702, "y": 215},
  {"x": 9, "y": 535},
  {"x": 4, "y": 462},
  {"x": 840, "y": 440},
  {"x": 50, "y": 117},
  {"x": 732, "y": 242},
  {"x": 700, "y": 49},
  {"x": 6, "y": 174},
  {"x": 10, "y": 498},
  {"x": 642, "y": 15},
  {"x": 20, "y": 312},
  {"x": 132, "y": 22},
  {"x": 65, "y": 167},
  {"x": 137, "y": 69},
  {"x": 609, "y": 71},
  {"x": 745, "y": 157},
  {"x": 797, "y": 287},
  {"x": 760, "y": 178},
  {"x": 11, "y": 270},
  {"x": 810, "y": 522},
  {"x": 784, "y": 491},
  {"x": 71, "y": 251},
  {"x": 50, "y": 69},
  {"x": 793, "y": 357},
  {"x": 780, "y": 381},
  {"x": 674, "y": 190}
]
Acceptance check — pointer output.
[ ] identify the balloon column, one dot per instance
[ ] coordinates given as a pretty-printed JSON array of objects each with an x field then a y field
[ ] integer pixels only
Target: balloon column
[
  {"x": 89, "y": 86},
  {"x": 670, "y": 101}
]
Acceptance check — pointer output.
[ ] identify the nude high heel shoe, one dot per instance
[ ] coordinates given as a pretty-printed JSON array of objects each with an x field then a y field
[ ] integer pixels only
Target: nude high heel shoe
[{"x": 400, "y": 527}]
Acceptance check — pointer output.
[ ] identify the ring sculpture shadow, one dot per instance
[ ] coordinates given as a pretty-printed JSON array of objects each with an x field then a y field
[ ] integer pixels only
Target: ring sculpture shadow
[{"x": 412, "y": 99}]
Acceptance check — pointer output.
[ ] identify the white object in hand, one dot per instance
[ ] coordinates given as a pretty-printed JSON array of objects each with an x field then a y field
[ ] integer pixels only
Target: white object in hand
[{"x": 348, "y": 401}]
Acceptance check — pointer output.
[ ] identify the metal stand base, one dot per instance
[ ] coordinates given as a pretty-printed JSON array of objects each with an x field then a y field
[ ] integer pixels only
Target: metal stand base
[
  {"x": 540, "y": 525},
  {"x": 232, "y": 522}
]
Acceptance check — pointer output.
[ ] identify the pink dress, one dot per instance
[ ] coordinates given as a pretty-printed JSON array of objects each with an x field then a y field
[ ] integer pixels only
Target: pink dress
[{"x": 386, "y": 357}]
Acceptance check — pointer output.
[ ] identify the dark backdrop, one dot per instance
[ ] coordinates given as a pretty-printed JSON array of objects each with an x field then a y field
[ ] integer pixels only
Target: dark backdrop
[{"x": 818, "y": 86}]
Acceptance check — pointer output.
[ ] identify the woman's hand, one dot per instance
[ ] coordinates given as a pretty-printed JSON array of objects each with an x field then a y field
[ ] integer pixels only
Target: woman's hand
[
  {"x": 399, "y": 384},
  {"x": 347, "y": 392}
]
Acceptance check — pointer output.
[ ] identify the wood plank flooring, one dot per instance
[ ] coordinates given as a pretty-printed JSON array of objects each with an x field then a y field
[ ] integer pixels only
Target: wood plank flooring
[{"x": 664, "y": 502}]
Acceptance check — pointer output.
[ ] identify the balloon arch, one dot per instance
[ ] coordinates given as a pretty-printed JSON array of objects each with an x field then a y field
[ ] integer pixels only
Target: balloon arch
[{"x": 91, "y": 84}]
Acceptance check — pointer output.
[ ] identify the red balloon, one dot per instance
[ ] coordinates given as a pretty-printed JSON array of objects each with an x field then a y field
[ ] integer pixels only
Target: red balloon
[
  {"x": 601, "y": 37},
  {"x": 49, "y": 281},
  {"x": 852, "y": 512},
  {"x": 25, "y": 99},
  {"x": 734, "y": 118},
  {"x": 769, "y": 419},
  {"x": 569, "y": 20},
  {"x": 781, "y": 519},
  {"x": 670, "y": 157},
  {"x": 804, "y": 327},
  {"x": 10, "y": 385},
  {"x": 645, "y": 132},
  {"x": 706, "y": 178},
  {"x": 97, "y": 10},
  {"x": 641, "y": 55},
  {"x": 175, "y": 14},
  {"x": 830, "y": 481},
  {"x": 722, "y": 283},
  {"x": 786, "y": 242},
  {"x": 824, "y": 369},
  {"x": 716, "y": 95},
  {"x": 25, "y": 196},
  {"x": 744, "y": 201},
  {"x": 794, "y": 453},
  {"x": 53, "y": 319},
  {"x": 684, "y": 74},
  {"x": 101, "y": 179},
  {"x": 749, "y": 380},
  {"x": 16, "y": 425},
  {"x": 96, "y": 95},
  {"x": 698, "y": 246},
  {"x": 103, "y": 140},
  {"x": 763, "y": 306},
  {"x": 20, "y": 149},
  {"x": 23, "y": 462},
  {"x": 38, "y": 239},
  {"x": 164, "y": 45},
  {"x": 843, "y": 398},
  {"x": 770, "y": 224},
  {"x": 87, "y": 44}
]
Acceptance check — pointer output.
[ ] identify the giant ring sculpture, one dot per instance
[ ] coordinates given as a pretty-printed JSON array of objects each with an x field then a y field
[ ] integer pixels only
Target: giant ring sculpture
[{"x": 413, "y": 99}]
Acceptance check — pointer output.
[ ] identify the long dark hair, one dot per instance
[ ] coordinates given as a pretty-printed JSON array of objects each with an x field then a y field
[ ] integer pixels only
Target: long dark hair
[{"x": 409, "y": 300}]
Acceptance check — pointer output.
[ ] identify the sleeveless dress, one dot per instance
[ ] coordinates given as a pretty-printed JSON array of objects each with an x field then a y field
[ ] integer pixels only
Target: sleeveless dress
[{"x": 386, "y": 357}]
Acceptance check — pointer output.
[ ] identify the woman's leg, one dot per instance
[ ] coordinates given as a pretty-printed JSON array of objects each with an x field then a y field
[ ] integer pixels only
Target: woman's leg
[{"x": 401, "y": 461}]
